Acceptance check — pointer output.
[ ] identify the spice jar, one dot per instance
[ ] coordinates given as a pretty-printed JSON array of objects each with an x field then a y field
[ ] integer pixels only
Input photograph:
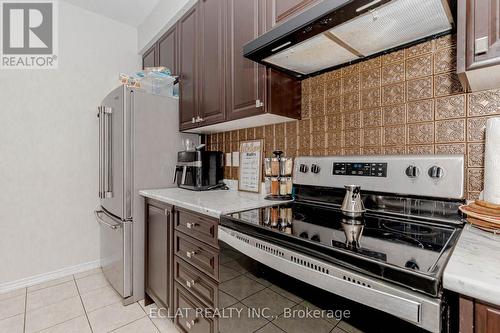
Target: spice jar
[
  {"x": 289, "y": 186},
  {"x": 283, "y": 186},
  {"x": 267, "y": 167},
  {"x": 267, "y": 183},
  {"x": 275, "y": 186},
  {"x": 286, "y": 166},
  {"x": 275, "y": 166}
]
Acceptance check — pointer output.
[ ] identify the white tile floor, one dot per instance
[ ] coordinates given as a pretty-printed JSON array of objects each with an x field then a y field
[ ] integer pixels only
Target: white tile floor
[{"x": 79, "y": 303}]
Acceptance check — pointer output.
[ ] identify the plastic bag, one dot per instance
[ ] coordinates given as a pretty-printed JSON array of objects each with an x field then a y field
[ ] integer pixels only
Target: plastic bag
[{"x": 154, "y": 80}]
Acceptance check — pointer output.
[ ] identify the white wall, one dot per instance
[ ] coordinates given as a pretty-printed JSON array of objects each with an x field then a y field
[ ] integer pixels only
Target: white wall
[
  {"x": 48, "y": 146},
  {"x": 165, "y": 14}
]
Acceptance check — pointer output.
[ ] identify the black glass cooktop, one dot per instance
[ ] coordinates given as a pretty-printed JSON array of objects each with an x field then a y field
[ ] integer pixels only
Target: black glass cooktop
[{"x": 402, "y": 250}]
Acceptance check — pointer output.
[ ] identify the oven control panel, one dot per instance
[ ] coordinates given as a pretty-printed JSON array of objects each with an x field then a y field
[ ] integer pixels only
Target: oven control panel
[
  {"x": 439, "y": 176},
  {"x": 360, "y": 169}
]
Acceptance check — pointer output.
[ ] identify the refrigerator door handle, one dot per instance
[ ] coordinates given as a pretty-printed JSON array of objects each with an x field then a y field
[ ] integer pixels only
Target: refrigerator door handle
[
  {"x": 108, "y": 152},
  {"x": 101, "y": 185}
]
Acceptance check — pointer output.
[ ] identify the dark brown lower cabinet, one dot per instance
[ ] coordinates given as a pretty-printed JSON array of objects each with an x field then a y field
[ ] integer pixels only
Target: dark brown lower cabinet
[
  {"x": 182, "y": 266},
  {"x": 159, "y": 253},
  {"x": 478, "y": 317},
  {"x": 193, "y": 320}
]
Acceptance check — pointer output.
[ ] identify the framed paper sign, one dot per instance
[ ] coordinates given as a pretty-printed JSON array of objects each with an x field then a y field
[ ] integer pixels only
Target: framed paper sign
[{"x": 250, "y": 170}]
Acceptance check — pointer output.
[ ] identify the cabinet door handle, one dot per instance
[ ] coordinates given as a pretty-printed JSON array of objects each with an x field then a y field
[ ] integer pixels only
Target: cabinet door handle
[
  {"x": 190, "y": 225},
  {"x": 481, "y": 45},
  {"x": 190, "y": 324},
  {"x": 191, "y": 283},
  {"x": 190, "y": 254}
]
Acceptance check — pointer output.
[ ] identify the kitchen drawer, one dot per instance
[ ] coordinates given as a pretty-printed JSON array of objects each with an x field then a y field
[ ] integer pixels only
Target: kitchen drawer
[
  {"x": 196, "y": 282},
  {"x": 198, "y": 226},
  {"x": 191, "y": 320},
  {"x": 198, "y": 254}
]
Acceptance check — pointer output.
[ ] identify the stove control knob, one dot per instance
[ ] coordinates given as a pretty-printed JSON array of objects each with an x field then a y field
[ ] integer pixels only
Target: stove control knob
[
  {"x": 315, "y": 238},
  {"x": 304, "y": 235},
  {"x": 435, "y": 172},
  {"x": 303, "y": 168},
  {"x": 315, "y": 168},
  {"x": 412, "y": 171}
]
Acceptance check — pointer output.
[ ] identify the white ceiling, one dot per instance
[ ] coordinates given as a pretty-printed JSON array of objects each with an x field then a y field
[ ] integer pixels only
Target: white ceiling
[{"x": 132, "y": 12}]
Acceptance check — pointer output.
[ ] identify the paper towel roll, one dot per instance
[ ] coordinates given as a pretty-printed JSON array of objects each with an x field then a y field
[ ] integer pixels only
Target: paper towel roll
[{"x": 492, "y": 161}]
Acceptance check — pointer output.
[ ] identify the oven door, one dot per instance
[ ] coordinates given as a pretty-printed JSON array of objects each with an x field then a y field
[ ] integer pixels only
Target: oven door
[{"x": 413, "y": 307}]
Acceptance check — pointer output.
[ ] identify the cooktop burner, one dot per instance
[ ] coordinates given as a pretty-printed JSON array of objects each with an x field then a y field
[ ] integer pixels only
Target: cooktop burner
[{"x": 383, "y": 245}]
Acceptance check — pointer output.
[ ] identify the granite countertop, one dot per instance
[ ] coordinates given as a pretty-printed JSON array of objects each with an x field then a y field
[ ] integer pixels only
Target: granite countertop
[
  {"x": 212, "y": 203},
  {"x": 474, "y": 267}
]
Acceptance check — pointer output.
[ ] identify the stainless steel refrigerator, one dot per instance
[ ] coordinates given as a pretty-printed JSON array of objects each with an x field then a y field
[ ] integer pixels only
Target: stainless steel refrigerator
[{"x": 138, "y": 143}]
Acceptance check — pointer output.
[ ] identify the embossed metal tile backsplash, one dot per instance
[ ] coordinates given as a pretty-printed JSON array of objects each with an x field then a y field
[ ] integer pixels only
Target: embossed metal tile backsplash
[{"x": 406, "y": 102}]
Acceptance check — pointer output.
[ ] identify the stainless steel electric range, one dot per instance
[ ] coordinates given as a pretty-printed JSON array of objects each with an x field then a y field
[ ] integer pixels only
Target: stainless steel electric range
[{"x": 392, "y": 258}]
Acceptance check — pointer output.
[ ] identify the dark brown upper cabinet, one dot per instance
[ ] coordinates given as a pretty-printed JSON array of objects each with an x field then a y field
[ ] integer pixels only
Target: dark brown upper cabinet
[
  {"x": 251, "y": 89},
  {"x": 188, "y": 68},
  {"x": 201, "y": 65},
  {"x": 282, "y": 10},
  {"x": 216, "y": 83},
  {"x": 167, "y": 50},
  {"x": 149, "y": 58},
  {"x": 245, "y": 79},
  {"x": 211, "y": 62},
  {"x": 478, "y": 44}
]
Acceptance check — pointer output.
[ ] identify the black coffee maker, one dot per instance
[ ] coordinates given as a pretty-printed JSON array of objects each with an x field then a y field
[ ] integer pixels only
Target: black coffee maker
[{"x": 199, "y": 170}]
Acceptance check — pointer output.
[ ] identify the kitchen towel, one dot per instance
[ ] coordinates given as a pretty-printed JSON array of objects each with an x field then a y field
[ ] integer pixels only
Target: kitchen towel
[{"x": 491, "y": 191}]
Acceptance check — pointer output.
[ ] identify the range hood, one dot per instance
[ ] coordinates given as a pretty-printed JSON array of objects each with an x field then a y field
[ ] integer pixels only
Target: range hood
[{"x": 336, "y": 32}]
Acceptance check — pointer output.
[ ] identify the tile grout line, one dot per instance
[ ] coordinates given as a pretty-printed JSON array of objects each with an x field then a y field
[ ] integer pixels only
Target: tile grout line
[
  {"x": 133, "y": 321},
  {"x": 55, "y": 285},
  {"x": 144, "y": 310},
  {"x": 270, "y": 323},
  {"x": 49, "y": 304},
  {"x": 101, "y": 306},
  {"x": 46, "y": 328},
  {"x": 83, "y": 305}
]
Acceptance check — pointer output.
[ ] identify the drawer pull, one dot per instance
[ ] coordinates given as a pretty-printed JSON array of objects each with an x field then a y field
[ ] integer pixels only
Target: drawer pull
[
  {"x": 190, "y": 254},
  {"x": 190, "y": 225},
  {"x": 191, "y": 283},
  {"x": 190, "y": 324}
]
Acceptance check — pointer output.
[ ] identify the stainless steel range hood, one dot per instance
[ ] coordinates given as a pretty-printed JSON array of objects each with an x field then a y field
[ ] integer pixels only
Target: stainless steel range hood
[{"x": 335, "y": 32}]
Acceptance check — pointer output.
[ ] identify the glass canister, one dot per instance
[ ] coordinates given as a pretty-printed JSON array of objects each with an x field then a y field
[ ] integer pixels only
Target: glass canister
[
  {"x": 286, "y": 166},
  {"x": 267, "y": 167}
]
